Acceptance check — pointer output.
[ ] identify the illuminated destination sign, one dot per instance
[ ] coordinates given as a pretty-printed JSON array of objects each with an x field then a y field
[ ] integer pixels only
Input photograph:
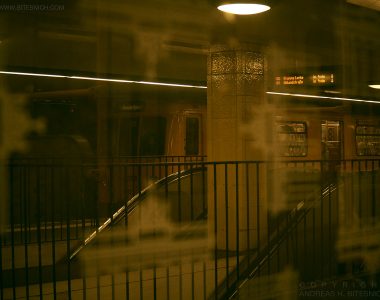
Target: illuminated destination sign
[
  {"x": 323, "y": 79},
  {"x": 290, "y": 80},
  {"x": 312, "y": 79}
]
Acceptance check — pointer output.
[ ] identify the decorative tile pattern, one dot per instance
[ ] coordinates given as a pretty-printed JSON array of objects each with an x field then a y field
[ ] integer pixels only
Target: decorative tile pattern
[
  {"x": 254, "y": 63},
  {"x": 223, "y": 62}
]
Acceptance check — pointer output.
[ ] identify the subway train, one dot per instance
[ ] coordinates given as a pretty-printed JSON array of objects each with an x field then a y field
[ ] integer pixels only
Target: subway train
[
  {"x": 174, "y": 124},
  {"x": 179, "y": 130}
]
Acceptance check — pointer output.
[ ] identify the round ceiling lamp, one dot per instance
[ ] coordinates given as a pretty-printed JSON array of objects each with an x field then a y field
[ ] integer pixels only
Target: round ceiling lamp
[{"x": 243, "y": 7}]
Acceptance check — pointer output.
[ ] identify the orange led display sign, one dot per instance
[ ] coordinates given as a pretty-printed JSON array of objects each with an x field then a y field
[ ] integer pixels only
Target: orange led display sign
[
  {"x": 313, "y": 79},
  {"x": 323, "y": 78},
  {"x": 290, "y": 80}
]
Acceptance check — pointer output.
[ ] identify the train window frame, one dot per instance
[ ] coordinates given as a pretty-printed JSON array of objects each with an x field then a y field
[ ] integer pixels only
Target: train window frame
[
  {"x": 367, "y": 134},
  {"x": 332, "y": 141},
  {"x": 288, "y": 140}
]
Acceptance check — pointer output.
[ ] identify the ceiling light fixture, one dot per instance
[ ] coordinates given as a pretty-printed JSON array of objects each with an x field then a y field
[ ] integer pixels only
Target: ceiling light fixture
[
  {"x": 243, "y": 7},
  {"x": 374, "y": 86}
]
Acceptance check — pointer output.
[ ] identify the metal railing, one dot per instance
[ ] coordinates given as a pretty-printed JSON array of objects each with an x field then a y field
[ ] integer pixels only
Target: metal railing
[
  {"x": 45, "y": 192},
  {"x": 261, "y": 217}
]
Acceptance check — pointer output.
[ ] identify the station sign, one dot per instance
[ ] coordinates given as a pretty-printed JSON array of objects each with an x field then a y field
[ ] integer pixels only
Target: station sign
[{"x": 307, "y": 78}]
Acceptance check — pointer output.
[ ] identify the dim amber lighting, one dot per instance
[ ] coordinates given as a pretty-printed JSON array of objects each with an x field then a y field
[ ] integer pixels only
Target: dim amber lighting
[{"x": 243, "y": 8}]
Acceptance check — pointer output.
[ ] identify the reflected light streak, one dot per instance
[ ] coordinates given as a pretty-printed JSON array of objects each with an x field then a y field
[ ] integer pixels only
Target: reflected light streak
[
  {"x": 323, "y": 97},
  {"x": 100, "y": 79},
  {"x": 374, "y": 86},
  {"x": 33, "y": 74},
  {"x": 106, "y": 79}
]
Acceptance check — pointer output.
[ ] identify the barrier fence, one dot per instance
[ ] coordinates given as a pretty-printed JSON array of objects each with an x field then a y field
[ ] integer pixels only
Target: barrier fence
[{"x": 186, "y": 228}]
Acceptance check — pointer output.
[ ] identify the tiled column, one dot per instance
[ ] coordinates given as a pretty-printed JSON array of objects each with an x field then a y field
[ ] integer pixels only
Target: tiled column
[{"x": 235, "y": 90}]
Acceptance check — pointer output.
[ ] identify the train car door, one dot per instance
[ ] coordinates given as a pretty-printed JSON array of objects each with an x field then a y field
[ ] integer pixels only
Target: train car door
[
  {"x": 128, "y": 136},
  {"x": 331, "y": 143},
  {"x": 193, "y": 135}
]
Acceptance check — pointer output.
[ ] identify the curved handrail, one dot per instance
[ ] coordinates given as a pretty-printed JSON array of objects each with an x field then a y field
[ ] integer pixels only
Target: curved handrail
[
  {"x": 132, "y": 203},
  {"x": 254, "y": 264}
]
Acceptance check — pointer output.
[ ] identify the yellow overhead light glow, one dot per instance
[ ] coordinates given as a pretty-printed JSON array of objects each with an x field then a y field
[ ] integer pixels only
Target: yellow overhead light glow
[
  {"x": 374, "y": 86},
  {"x": 243, "y": 8}
]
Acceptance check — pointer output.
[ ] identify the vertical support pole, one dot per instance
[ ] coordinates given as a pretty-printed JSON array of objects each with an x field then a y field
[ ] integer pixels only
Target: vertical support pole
[{"x": 102, "y": 104}]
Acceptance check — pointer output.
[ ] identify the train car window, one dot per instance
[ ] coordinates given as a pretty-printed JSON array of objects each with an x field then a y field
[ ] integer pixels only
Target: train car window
[
  {"x": 61, "y": 116},
  {"x": 192, "y": 136},
  {"x": 367, "y": 137},
  {"x": 152, "y": 136},
  {"x": 292, "y": 138},
  {"x": 129, "y": 134}
]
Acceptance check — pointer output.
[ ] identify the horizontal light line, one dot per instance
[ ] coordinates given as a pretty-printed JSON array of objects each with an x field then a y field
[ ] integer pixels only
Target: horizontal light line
[
  {"x": 172, "y": 84},
  {"x": 374, "y": 86},
  {"x": 106, "y": 79},
  {"x": 33, "y": 74},
  {"x": 323, "y": 97},
  {"x": 100, "y": 79}
]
